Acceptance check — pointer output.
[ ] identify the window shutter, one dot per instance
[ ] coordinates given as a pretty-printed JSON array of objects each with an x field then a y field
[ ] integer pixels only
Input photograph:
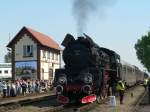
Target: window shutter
[
  {"x": 31, "y": 50},
  {"x": 24, "y": 50}
]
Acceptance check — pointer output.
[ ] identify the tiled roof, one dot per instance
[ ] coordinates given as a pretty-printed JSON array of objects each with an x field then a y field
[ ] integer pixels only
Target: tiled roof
[
  {"x": 44, "y": 39},
  {"x": 39, "y": 37}
]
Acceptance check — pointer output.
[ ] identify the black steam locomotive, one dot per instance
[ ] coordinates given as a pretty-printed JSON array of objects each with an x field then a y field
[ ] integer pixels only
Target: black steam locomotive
[{"x": 89, "y": 71}]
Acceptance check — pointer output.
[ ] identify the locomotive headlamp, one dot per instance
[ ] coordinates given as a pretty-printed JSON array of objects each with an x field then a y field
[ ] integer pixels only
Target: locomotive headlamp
[
  {"x": 87, "y": 89},
  {"x": 62, "y": 79},
  {"x": 88, "y": 78},
  {"x": 59, "y": 89}
]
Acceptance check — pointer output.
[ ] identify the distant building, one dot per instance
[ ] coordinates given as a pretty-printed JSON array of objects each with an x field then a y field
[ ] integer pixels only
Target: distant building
[
  {"x": 5, "y": 70},
  {"x": 34, "y": 55}
]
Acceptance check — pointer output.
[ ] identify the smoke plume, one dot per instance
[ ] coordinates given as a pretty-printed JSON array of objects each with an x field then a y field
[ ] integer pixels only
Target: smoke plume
[{"x": 82, "y": 9}]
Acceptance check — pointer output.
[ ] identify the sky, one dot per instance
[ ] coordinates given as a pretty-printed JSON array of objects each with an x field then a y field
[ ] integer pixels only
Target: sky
[{"x": 116, "y": 26}]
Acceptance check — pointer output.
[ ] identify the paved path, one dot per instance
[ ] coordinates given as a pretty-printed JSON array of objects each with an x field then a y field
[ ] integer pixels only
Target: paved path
[
  {"x": 128, "y": 102},
  {"x": 144, "y": 106}
]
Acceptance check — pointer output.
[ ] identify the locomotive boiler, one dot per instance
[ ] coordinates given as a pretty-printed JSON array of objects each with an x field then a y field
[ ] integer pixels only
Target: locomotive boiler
[{"x": 88, "y": 73}]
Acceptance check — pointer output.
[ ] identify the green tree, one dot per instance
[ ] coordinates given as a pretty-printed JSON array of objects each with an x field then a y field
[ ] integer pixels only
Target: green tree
[
  {"x": 142, "y": 48},
  {"x": 7, "y": 57}
]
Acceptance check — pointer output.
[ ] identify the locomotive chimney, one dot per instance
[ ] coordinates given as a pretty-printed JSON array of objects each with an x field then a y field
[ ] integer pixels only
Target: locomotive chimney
[{"x": 68, "y": 39}]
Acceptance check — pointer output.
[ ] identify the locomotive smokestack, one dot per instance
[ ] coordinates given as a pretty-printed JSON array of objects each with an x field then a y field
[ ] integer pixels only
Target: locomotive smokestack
[{"x": 82, "y": 9}]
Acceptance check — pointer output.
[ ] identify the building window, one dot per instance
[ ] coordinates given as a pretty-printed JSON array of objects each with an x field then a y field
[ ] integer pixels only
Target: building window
[
  {"x": 48, "y": 55},
  {"x": 42, "y": 73},
  {"x": 57, "y": 56},
  {"x": 28, "y": 50},
  {"x": 6, "y": 71},
  {"x": 44, "y": 54},
  {"x": 52, "y": 56},
  {"x": 0, "y": 72},
  {"x": 50, "y": 73}
]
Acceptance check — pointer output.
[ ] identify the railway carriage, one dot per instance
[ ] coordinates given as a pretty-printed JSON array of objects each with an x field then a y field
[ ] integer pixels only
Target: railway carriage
[
  {"x": 128, "y": 74},
  {"x": 131, "y": 74},
  {"x": 139, "y": 75}
]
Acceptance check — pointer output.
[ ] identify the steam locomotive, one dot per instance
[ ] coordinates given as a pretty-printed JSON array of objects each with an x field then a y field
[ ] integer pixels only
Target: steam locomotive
[{"x": 89, "y": 73}]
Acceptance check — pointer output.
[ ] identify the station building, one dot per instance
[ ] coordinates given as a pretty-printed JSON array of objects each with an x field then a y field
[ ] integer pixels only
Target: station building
[
  {"x": 5, "y": 70},
  {"x": 34, "y": 55}
]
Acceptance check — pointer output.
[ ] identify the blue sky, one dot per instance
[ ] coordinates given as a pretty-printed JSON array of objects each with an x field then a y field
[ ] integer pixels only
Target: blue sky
[{"x": 117, "y": 28}]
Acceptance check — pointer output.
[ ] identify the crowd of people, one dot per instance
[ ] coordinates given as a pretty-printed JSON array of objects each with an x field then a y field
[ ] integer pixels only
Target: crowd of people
[{"x": 22, "y": 87}]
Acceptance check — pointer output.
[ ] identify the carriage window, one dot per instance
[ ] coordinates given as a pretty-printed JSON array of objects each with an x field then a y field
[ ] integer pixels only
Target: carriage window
[
  {"x": 133, "y": 70},
  {"x": 124, "y": 70}
]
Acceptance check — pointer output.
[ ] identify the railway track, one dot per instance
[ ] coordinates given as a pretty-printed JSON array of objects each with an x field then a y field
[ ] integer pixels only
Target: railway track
[
  {"x": 46, "y": 106},
  {"x": 91, "y": 106},
  {"x": 41, "y": 103},
  {"x": 81, "y": 107},
  {"x": 49, "y": 104}
]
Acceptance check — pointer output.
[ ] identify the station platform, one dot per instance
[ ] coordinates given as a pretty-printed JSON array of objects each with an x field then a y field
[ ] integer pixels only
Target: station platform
[{"x": 22, "y": 99}]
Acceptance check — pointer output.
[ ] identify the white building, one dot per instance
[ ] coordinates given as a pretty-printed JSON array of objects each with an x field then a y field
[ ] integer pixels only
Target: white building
[
  {"x": 5, "y": 70},
  {"x": 34, "y": 55}
]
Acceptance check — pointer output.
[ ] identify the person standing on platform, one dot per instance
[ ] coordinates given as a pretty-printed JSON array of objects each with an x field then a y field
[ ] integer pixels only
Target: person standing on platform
[
  {"x": 8, "y": 88},
  {"x": 37, "y": 86},
  {"x": 145, "y": 83},
  {"x": 1, "y": 87},
  {"x": 148, "y": 90},
  {"x": 24, "y": 87},
  {"x": 120, "y": 88},
  {"x": 4, "y": 89},
  {"x": 33, "y": 86},
  {"x": 29, "y": 87},
  {"x": 18, "y": 88},
  {"x": 13, "y": 90}
]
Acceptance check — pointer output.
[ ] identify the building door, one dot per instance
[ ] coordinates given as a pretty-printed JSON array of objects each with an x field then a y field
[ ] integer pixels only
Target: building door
[
  {"x": 42, "y": 74},
  {"x": 50, "y": 74}
]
